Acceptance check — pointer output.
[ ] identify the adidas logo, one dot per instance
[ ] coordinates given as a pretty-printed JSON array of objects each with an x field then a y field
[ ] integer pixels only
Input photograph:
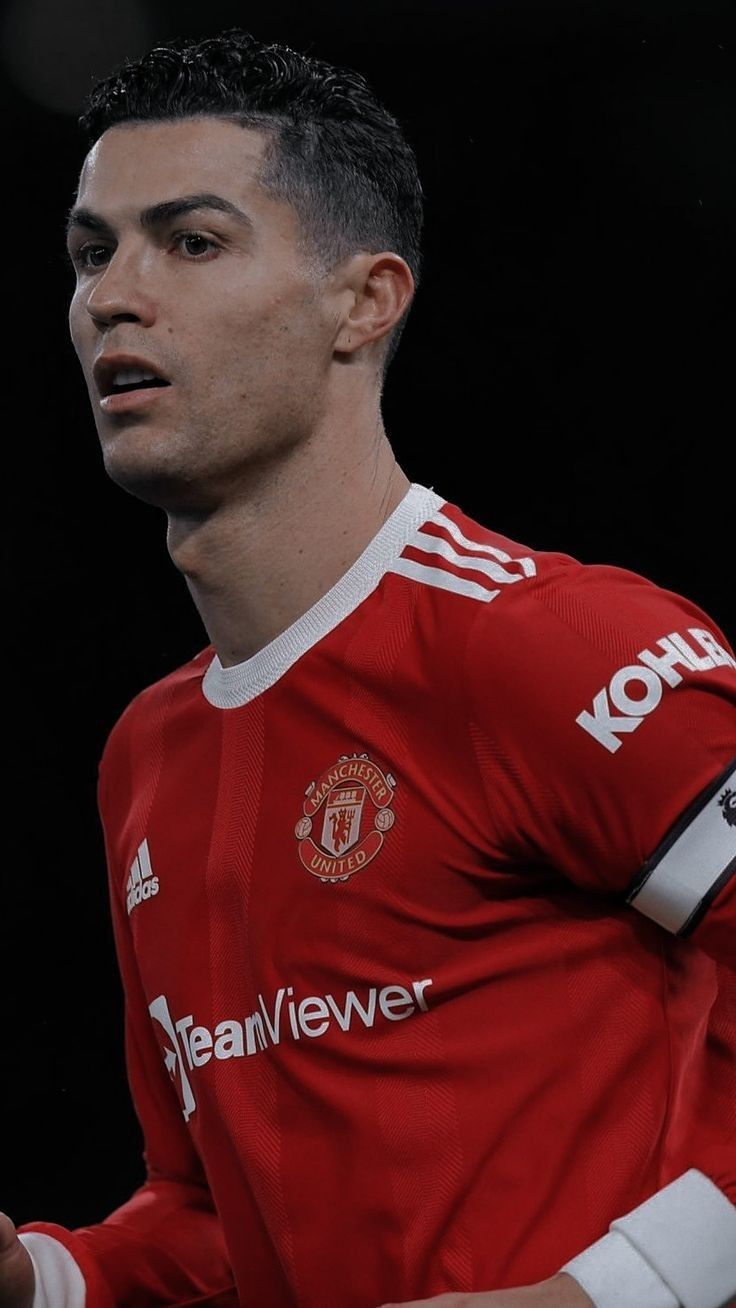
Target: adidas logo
[{"x": 142, "y": 884}]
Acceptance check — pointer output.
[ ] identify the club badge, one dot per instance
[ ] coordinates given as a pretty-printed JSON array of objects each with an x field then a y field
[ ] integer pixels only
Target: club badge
[{"x": 346, "y": 815}]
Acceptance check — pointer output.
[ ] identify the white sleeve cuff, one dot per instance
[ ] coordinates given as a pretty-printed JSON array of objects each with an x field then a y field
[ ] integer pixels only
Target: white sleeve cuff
[
  {"x": 59, "y": 1282},
  {"x": 687, "y": 1231},
  {"x": 684, "y": 1237},
  {"x": 614, "y": 1275}
]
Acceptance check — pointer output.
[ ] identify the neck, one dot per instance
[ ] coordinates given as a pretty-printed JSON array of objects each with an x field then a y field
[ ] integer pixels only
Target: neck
[{"x": 259, "y": 561}]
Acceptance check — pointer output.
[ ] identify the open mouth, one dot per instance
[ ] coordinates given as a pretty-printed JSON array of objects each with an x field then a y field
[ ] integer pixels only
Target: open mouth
[
  {"x": 136, "y": 386},
  {"x": 126, "y": 383},
  {"x": 121, "y": 380}
]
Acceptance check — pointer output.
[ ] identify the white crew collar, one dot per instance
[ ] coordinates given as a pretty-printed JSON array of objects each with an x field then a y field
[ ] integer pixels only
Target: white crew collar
[{"x": 232, "y": 687}]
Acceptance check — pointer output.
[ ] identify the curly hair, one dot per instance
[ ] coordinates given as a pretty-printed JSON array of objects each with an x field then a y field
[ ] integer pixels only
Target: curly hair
[{"x": 334, "y": 152}]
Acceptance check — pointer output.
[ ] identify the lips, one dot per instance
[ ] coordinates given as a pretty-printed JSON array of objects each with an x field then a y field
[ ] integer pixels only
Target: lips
[{"x": 112, "y": 374}]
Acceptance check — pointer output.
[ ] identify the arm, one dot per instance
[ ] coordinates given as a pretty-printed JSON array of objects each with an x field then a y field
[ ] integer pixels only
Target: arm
[
  {"x": 165, "y": 1244},
  {"x": 628, "y": 695}
]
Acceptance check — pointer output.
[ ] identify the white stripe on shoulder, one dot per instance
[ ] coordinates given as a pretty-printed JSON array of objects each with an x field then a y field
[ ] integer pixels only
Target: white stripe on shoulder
[
  {"x": 527, "y": 564},
  {"x": 429, "y": 544},
  {"x": 453, "y": 551},
  {"x": 442, "y": 580},
  {"x": 693, "y": 863}
]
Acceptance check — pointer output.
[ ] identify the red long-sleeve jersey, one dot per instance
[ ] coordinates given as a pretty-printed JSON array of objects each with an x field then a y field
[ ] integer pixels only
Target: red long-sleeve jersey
[{"x": 425, "y": 928}]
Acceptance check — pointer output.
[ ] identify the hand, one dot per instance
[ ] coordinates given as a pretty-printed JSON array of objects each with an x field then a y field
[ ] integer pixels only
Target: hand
[
  {"x": 17, "y": 1279},
  {"x": 560, "y": 1291}
]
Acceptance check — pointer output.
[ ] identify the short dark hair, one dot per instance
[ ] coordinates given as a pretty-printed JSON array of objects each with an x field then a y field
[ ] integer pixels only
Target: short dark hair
[{"x": 336, "y": 154}]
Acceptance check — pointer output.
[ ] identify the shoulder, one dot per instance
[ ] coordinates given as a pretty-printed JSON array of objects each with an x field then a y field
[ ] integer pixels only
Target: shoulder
[
  {"x": 551, "y": 630},
  {"x": 452, "y": 553},
  {"x": 554, "y": 614},
  {"x": 151, "y": 710},
  {"x": 601, "y": 706}
]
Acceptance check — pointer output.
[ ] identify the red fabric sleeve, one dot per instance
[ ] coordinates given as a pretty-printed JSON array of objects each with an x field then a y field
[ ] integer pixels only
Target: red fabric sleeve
[
  {"x": 165, "y": 1244},
  {"x": 607, "y": 738},
  {"x": 720, "y": 1163},
  {"x": 606, "y": 745}
]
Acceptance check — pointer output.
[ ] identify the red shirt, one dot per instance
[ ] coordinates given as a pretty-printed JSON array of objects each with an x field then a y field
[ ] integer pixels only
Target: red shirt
[{"x": 394, "y": 1024}]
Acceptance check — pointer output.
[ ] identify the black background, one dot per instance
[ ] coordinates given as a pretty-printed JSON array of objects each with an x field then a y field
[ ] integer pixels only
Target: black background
[{"x": 567, "y": 377}]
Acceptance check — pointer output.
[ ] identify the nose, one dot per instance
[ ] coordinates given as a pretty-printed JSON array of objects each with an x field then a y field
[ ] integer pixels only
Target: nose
[{"x": 122, "y": 292}]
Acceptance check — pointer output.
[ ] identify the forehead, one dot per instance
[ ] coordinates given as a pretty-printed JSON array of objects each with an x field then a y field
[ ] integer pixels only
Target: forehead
[{"x": 135, "y": 165}]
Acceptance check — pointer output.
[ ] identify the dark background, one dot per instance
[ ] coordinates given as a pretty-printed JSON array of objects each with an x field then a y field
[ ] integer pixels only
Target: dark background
[{"x": 567, "y": 377}]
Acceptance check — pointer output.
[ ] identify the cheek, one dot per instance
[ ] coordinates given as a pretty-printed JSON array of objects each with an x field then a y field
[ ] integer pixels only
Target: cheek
[
  {"x": 76, "y": 325},
  {"x": 260, "y": 350},
  {"x": 269, "y": 322}
]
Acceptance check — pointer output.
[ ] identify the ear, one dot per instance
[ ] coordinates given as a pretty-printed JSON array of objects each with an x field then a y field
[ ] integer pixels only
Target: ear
[{"x": 378, "y": 289}]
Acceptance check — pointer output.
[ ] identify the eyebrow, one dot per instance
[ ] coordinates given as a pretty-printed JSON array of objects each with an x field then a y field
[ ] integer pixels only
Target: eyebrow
[{"x": 156, "y": 215}]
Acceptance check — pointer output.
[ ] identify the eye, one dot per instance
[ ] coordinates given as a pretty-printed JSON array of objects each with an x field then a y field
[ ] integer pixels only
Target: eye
[
  {"x": 196, "y": 245},
  {"x": 86, "y": 255}
]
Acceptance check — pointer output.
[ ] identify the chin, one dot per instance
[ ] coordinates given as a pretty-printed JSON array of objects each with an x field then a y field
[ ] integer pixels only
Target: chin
[
  {"x": 163, "y": 488},
  {"x": 152, "y": 471}
]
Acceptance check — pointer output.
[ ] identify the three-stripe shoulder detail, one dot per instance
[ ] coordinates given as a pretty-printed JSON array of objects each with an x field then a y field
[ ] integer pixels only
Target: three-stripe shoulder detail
[{"x": 439, "y": 554}]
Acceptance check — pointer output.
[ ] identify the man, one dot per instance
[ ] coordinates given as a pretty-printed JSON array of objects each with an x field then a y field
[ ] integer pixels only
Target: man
[{"x": 420, "y": 871}]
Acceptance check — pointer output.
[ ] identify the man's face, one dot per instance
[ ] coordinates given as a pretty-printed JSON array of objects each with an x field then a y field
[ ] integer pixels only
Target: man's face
[{"x": 225, "y": 307}]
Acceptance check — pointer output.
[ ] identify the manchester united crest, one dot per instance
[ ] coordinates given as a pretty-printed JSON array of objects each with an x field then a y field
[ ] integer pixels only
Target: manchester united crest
[{"x": 347, "y": 813}]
